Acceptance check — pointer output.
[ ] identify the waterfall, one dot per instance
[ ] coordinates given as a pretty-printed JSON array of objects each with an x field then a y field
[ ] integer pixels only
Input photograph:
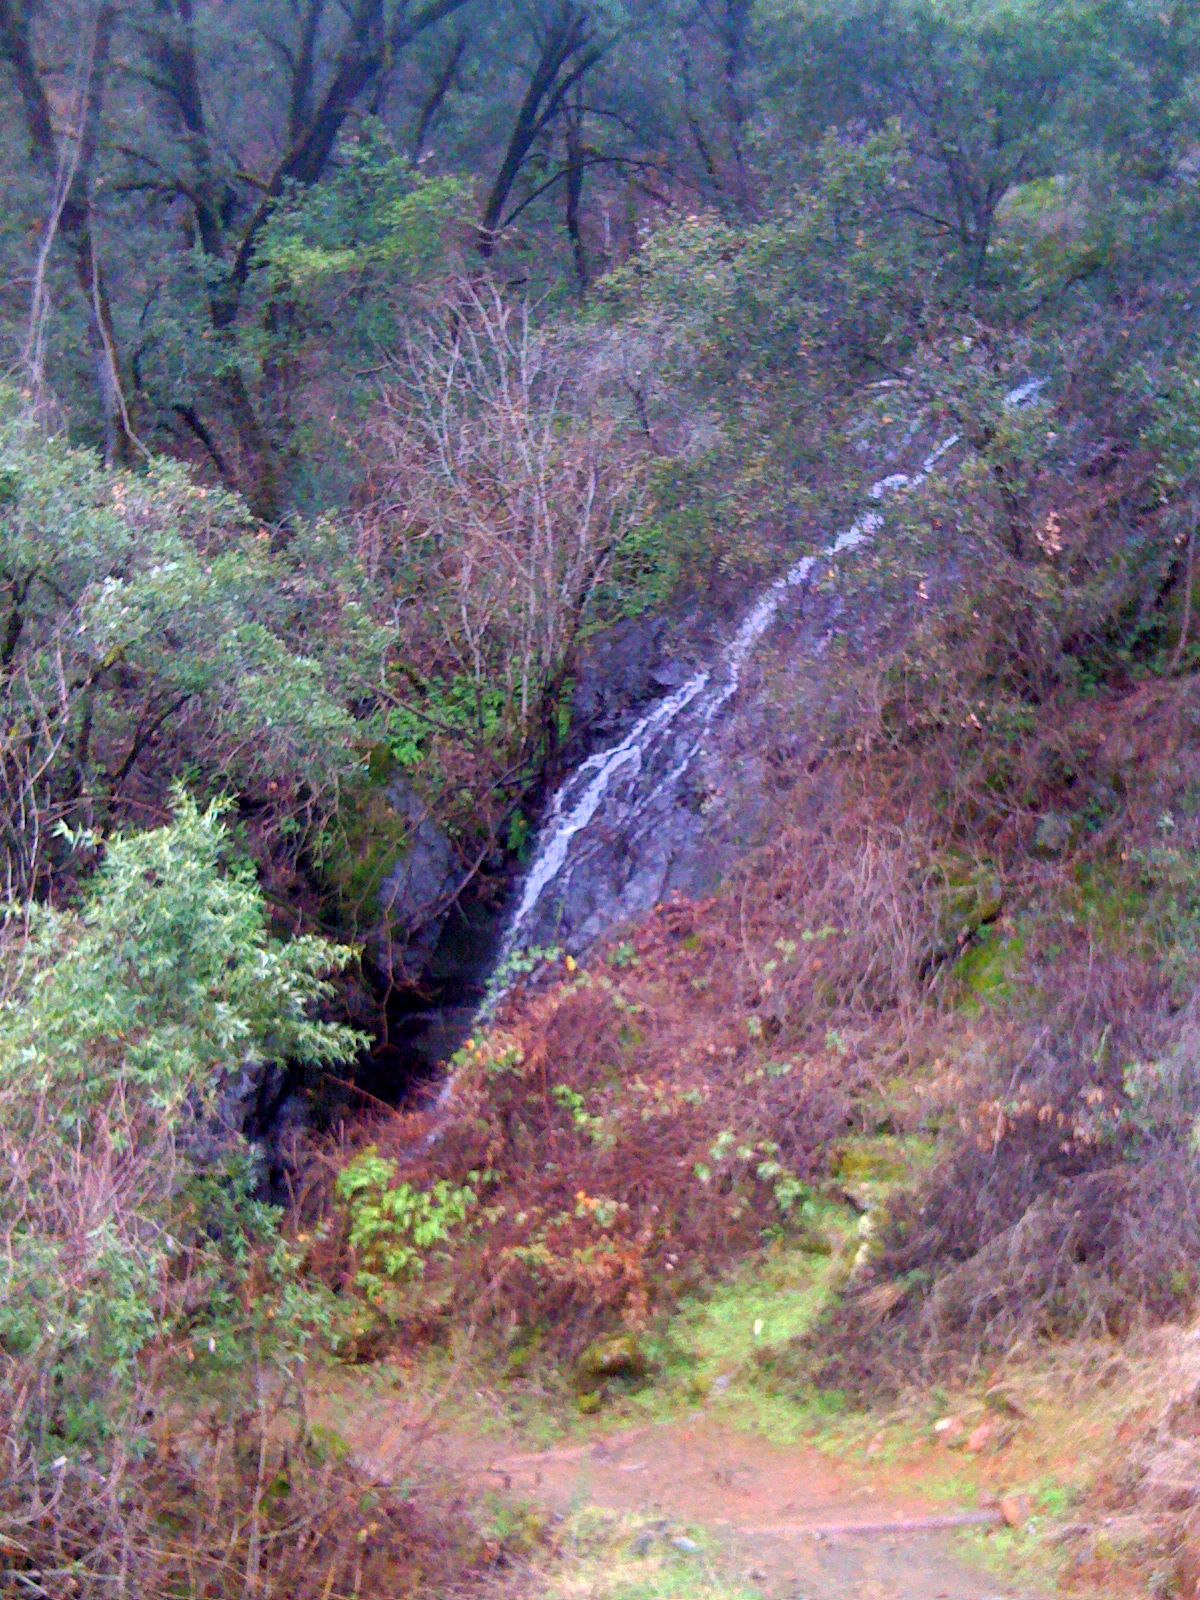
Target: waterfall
[{"x": 673, "y": 731}]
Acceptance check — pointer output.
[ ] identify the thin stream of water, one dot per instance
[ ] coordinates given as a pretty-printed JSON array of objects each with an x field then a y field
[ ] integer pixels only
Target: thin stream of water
[
  {"x": 703, "y": 696},
  {"x": 582, "y": 796}
]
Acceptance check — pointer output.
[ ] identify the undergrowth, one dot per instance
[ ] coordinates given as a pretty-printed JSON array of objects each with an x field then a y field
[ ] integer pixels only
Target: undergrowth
[{"x": 977, "y": 923}]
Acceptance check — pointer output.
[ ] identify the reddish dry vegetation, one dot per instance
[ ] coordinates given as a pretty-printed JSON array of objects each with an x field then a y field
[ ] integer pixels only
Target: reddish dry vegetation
[
  {"x": 597, "y": 1107},
  {"x": 241, "y": 1504},
  {"x": 640, "y": 1121}
]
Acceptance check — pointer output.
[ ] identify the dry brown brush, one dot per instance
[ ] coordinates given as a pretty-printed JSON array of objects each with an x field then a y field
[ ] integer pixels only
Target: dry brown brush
[
  {"x": 235, "y": 1504},
  {"x": 637, "y": 1126}
]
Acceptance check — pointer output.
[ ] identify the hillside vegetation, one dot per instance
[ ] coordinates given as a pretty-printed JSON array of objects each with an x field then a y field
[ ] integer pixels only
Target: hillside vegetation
[{"x": 390, "y": 394}]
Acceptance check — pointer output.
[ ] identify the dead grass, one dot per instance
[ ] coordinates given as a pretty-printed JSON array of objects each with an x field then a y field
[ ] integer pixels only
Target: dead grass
[
  {"x": 233, "y": 1505},
  {"x": 239, "y": 1504},
  {"x": 644, "y": 1122},
  {"x": 636, "y": 1133}
]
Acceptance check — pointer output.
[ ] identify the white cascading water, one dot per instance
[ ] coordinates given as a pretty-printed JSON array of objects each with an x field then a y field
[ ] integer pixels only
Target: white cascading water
[
  {"x": 700, "y": 699},
  {"x": 578, "y": 800}
]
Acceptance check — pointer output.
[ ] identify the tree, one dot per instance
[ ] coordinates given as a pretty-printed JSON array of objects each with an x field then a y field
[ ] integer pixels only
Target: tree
[
  {"x": 568, "y": 45},
  {"x": 326, "y": 80},
  {"x": 715, "y": 108},
  {"x": 1139, "y": 100},
  {"x": 146, "y": 626},
  {"x": 514, "y": 485},
  {"x": 69, "y": 158},
  {"x": 1174, "y": 434},
  {"x": 577, "y": 114},
  {"x": 978, "y": 85},
  {"x": 197, "y": 131}
]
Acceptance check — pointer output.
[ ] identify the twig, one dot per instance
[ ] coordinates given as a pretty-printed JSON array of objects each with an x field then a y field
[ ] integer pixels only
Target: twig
[{"x": 1180, "y": 648}]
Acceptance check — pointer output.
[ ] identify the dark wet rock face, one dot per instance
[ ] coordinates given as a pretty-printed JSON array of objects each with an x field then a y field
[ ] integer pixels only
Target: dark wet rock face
[
  {"x": 416, "y": 894},
  {"x": 619, "y": 672},
  {"x": 675, "y": 817},
  {"x": 653, "y": 836},
  {"x": 669, "y": 805}
]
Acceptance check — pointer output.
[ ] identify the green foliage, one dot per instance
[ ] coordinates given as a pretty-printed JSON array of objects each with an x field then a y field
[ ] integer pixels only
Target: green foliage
[
  {"x": 1174, "y": 431},
  {"x": 575, "y": 1106},
  {"x": 982, "y": 80},
  {"x": 623, "y": 955},
  {"x": 394, "y": 1227},
  {"x": 520, "y": 963},
  {"x": 351, "y": 255},
  {"x": 129, "y": 1211},
  {"x": 145, "y": 614},
  {"x": 166, "y": 980},
  {"x": 377, "y": 215},
  {"x": 828, "y": 277},
  {"x": 733, "y": 1161},
  {"x": 760, "y": 331}
]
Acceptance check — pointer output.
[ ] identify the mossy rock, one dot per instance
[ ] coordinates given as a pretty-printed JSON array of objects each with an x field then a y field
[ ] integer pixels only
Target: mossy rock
[
  {"x": 813, "y": 1242},
  {"x": 590, "y": 1402},
  {"x": 872, "y": 1161},
  {"x": 391, "y": 872},
  {"x": 617, "y": 1355},
  {"x": 370, "y": 840},
  {"x": 974, "y": 897},
  {"x": 991, "y": 968},
  {"x": 364, "y": 1334},
  {"x": 1056, "y": 835}
]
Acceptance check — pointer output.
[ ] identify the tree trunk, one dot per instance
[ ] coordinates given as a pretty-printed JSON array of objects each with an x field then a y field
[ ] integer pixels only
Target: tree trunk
[
  {"x": 567, "y": 55},
  {"x": 575, "y": 188},
  {"x": 75, "y": 217},
  {"x": 255, "y": 472}
]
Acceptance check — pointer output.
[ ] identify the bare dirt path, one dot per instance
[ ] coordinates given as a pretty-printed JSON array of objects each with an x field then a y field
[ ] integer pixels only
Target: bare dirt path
[{"x": 788, "y": 1522}]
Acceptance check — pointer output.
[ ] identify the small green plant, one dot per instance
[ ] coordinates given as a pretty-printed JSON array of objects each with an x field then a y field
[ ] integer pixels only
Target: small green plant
[
  {"x": 518, "y": 834},
  {"x": 519, "y": 964},
  {"x": 574, "y": 1103},
  {"x": 789, "y": 1191},
  {"x": 394, "y": 1227},
  {"x": 792, "y": 1196}
]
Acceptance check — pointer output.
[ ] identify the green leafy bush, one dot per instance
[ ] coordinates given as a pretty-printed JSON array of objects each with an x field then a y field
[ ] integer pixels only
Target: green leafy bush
[
  {"x": 393, "y": 1227},
  {"x": 147, "y": 628},
  {"x": 129, "y": 1216}
]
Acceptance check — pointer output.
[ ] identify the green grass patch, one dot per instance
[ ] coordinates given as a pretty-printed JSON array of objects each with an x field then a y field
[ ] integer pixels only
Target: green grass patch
[
  {"x": 717, "y": 1348},
  {"x": 884, "y": 1159},
  {"x": 990, "y": 969}
]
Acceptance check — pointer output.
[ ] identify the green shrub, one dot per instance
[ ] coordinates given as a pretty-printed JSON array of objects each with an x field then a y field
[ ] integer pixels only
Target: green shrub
[
  {"x": 128, "y": 1215},
  {"x": 393, "y": 1227}
]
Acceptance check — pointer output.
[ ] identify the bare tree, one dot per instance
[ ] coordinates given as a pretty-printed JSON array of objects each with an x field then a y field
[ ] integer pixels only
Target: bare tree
[
  {"x": 68, "y": 153},
  {"x": 514, "y": 482}
]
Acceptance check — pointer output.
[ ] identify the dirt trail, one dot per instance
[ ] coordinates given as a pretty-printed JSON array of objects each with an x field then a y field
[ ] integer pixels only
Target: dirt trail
[{"x": 789, "y": 1521}]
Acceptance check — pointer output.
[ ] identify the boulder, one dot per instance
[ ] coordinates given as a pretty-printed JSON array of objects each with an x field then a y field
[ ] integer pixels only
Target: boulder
[
  {"x": 416, "y": 892},
  {"x": 1055, "y": 836},
  {"x": 617, "y": 1355},
  {"x": 973, "y": 898}
]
